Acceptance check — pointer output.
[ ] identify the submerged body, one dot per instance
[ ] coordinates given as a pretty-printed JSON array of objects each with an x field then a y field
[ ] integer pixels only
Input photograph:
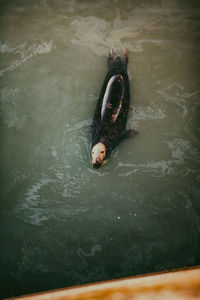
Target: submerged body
[{"x": 110, "y": 118}]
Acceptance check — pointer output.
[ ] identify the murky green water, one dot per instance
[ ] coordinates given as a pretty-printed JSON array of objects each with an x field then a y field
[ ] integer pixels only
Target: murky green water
[{"x": 63, "y": 223}]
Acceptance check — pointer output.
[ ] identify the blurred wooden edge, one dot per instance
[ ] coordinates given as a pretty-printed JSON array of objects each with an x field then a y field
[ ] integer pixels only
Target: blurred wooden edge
[{"x": 177, "y": 284}]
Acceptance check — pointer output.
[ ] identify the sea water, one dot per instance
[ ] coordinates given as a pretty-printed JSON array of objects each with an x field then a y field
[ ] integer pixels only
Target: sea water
[{"x": 62, "y": 222}]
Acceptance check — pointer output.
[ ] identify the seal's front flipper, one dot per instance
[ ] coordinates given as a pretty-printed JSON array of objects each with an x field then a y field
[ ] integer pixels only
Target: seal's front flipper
[
  {"x": 131, "y": 132},
  {"x": 128, "y": 133},
  {"x": 111, "y": 57}
]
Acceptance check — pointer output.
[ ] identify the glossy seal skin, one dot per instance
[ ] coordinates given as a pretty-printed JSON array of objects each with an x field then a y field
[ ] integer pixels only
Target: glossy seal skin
[{"x": 110, "y": 117}]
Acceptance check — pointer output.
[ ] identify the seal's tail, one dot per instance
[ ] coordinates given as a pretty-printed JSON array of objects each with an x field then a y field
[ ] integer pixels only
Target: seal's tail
[{"x": 118, "y": 64}]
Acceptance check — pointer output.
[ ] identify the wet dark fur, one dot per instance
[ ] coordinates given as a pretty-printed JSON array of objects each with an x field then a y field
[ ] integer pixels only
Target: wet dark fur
[{"x": 108, "y": 133}]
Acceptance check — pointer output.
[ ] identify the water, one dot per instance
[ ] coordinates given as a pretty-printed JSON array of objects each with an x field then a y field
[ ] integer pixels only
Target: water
[{"x": 62, "y": 222}]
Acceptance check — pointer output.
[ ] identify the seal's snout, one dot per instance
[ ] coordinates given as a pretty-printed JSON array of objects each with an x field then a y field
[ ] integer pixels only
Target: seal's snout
[{"x": 96, "y": 165}]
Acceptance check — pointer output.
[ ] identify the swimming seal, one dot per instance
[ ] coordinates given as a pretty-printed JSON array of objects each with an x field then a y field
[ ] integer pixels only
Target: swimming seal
[{"x": 110, "y": 117}]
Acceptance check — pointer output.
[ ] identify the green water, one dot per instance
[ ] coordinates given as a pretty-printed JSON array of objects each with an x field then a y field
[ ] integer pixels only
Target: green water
[{"x": 63, "y": 223}]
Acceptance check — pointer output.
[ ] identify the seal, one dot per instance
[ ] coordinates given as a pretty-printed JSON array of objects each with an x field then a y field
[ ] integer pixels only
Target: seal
[{"x": 110, "y": 117}]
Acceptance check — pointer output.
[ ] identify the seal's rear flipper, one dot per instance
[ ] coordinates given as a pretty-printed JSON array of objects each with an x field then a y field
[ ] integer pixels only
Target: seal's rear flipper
[
  {"x": 119, "y": 58},
  {"x": 125, "y": 56},
  {"x": 111, "y": 57}
]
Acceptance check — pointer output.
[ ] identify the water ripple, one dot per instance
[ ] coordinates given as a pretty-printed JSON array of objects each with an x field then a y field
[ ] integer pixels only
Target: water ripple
[{"x": 93, "y": 250}]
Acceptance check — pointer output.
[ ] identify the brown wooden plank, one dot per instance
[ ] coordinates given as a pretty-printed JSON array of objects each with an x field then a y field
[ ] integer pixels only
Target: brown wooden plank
[{"x": 175, "y": 285}]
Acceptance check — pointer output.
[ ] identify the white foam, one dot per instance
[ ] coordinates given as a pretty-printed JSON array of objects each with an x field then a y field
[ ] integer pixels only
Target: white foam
[
  {"x": 156, "y": 168},
  {"x": 25, "y": 51},
  {"x": 145, "y": 113},
  {"x": 30, "y": 209},
  {"x": 10, "y": 109},
  {"x": 99, "y": 35},
  {"x": 79, "y": 125},
  {"x": 32, "y": 193},
  {"x": 175, "y": 93},
  {"x": 180, "y": 150}
]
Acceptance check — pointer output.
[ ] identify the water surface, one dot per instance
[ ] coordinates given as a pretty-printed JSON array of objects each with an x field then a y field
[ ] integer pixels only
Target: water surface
[{"x": 62, "y": 222}]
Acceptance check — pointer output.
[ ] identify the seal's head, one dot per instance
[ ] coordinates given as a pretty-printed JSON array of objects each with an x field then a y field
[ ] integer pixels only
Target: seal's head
[{"x": 98, "y": 155}]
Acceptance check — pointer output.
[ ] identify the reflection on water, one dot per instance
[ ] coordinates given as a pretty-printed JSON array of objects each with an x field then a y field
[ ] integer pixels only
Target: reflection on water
[{"x": 62, "y": 222}]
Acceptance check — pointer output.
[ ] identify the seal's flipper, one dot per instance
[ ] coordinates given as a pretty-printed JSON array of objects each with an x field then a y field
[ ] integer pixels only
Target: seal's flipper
[
  {"x": 111, "y": 57},
  {"x": 116, "y": 112},
  {"x": 125, "y": 56},
  {"x": 129, "y": 133}
]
